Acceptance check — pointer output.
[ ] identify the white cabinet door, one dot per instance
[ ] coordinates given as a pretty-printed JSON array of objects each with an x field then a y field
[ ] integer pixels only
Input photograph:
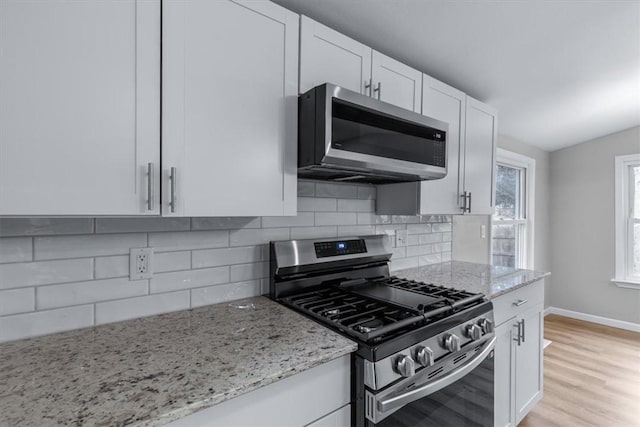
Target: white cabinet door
[
  {"x": 395, "y": 82},
  {"x": 438, "y": 196},
  {"x": 230, "y": 74},
  {"x": 528, "y": 366},
  {"x": 79, "y": 107},
  {"x": 326, "y": 56},
  {"x": 480, "y": 146},
  {"x": 503, "y": 366}
]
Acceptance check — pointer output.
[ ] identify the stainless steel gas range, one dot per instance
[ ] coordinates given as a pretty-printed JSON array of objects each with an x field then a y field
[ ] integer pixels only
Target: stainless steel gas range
[{"x": 425, "y": 352}]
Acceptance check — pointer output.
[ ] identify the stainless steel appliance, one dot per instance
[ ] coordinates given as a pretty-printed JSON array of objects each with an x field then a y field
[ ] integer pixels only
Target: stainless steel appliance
[
  {"x": 347, "y": 136},
  {"x": 425, "y": 352}
]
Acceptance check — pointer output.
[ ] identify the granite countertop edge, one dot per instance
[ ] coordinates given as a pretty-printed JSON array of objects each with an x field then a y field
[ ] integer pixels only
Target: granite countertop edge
[{"x": 239, "y": 391}]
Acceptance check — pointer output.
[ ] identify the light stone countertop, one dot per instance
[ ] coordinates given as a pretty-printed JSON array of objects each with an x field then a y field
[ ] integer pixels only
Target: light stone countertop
[
  {"x": 492, "y": 281},
  {"x": 150, "y": 371}
]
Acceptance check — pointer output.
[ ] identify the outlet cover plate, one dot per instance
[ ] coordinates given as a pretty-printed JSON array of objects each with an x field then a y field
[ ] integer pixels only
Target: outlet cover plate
[{"x": 141, "y": 263}]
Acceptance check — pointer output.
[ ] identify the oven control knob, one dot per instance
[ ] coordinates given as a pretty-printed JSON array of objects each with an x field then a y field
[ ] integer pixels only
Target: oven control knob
[
  {"x": 405, "y": 366},
  {"x": 451, "y": 343},
  {"x": 424, "y": 356},
  {"x": 473, "y": 331},
  {"x": 486, "y": 325}
]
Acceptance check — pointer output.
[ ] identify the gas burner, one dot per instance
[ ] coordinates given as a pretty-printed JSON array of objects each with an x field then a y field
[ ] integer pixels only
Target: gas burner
[
  {"x": 369, "y": 326},
  {"x": 332, "y": 312}
]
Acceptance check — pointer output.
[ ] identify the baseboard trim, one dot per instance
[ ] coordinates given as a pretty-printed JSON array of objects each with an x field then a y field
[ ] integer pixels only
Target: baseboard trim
[{"x": 621, "y": 324}]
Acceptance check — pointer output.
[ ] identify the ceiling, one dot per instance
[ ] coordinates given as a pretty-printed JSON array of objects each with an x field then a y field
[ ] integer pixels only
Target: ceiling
[{"x": 559, "y": 72}]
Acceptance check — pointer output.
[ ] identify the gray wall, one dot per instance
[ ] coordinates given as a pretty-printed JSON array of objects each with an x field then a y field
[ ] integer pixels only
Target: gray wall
[
  {"x": 59, "y": 274},
  {"x": 582, "y": 228}
]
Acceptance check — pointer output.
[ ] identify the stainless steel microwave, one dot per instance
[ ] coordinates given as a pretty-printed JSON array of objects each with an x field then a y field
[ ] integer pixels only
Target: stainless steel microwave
[{"x": 347, "y": 136}]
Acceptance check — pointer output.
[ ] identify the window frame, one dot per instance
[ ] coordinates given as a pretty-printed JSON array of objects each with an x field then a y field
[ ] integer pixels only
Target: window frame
[
  {"x": 623, "y": 222},
  {"x": 528, "y": 166}
]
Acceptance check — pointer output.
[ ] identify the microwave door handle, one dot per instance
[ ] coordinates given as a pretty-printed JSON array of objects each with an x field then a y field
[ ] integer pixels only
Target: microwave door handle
[{"x": 385, "y": 405}]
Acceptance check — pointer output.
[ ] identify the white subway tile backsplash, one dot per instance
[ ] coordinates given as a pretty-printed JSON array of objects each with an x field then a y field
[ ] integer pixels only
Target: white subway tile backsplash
[
  {"x": 441, "y": 227},
  {"x": 356, "y": 230},
  {"x": 16, "y": 249},
  {"x": 312, "y": 204},
  {"x": 314, "y": 232},
  {"x": 87, "y": 246},
  {"x": 366, "y": 192},
  {"x": 419, "y": 250},
  {"x": 128, "y": 225},
  {"x": 430, "y": 259},
  {"x": 45, "y": 272},
  {"x": 225, "y": 222},
  {"x": 303, "y": 219},
  {"x": 165, "y": 282},
  {"x": 257, "y": 237},
  {"x": 44, "y": 226},
  {"x": 403, "y": 263},
  {"x": 336, "y": 218},
  {"x": 344, "y": 191},
  {"x": 171, "y": 261},
  {"x": 306, "y": 188},
  {"x": 45, "y": 322},
  {"x": 17, "y": 301},
  {"x": 112, "y": 266},
  {"x": 80, "y": 266},
  {"x": 442, "y": 247},
  {"x": 78, "y": 293},
  {"x": 405, "y": 219},
  {"x": 256, "y": 270},
  {"x": 177, "y": 241},
  {"x": 115, "y": 311},
  {"x": 418, "y": 228},
  {"x": 223, "y": 293},
  {"x": 356, "y": 205},
  {"x": 226, "y": 256}
]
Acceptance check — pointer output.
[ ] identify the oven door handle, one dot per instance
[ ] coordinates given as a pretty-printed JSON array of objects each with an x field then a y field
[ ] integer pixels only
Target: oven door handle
[{"x": 427, "y": 389}]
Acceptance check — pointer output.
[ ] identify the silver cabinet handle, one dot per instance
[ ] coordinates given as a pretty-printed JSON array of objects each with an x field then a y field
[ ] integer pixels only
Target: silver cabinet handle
[
  {"x": 464, "y": 201},
  {"x": 149, "y": 186},
  {"x": 522, "y": 330},
  {"x": 172, "y": 200},
  {"x": 378, "y": 89},
  {"x": 520, "y": 302},
  {"x": 517, "y": 338},
  {"x": 369, "y": 86},
  {"x": 469, "y": 208}
]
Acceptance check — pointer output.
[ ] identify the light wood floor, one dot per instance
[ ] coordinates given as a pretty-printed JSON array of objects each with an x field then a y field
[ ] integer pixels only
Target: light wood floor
[{"x": 591, "y": 376}]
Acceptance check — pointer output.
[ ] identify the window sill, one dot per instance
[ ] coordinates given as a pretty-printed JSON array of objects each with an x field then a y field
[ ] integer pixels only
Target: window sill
[{"x": 626, "y": 283}]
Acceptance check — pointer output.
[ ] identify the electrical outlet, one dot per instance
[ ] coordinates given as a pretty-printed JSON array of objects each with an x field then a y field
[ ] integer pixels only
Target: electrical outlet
[
  {"x": 401, "y": 238},
  {"x": 483, "y": 231},
  {"x": 140, "y": 263}
]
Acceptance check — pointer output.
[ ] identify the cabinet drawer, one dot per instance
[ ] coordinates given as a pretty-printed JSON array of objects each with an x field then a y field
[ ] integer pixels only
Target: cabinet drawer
[{"x": 504, "y": 306}]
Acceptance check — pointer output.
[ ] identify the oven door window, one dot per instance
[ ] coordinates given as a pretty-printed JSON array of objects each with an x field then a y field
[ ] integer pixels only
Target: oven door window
[{"x": 467, "y": 402}]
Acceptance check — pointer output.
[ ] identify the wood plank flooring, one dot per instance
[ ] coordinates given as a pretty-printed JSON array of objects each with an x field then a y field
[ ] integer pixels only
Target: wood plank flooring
[{"x": 591, "y": 376}]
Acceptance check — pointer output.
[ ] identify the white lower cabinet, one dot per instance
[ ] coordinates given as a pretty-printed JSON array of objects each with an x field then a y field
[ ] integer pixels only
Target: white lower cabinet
[
  {"x": 518, "y": 354},
  {"x": 318, "y": 397}
]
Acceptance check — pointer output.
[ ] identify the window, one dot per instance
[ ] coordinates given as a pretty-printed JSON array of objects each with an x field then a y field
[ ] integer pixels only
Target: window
[
  {"x": 627, "y": 213},
  {"x": 512, "y": 223}
]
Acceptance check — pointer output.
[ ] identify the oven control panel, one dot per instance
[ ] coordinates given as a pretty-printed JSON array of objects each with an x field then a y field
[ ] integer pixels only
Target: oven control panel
[{"x": 340, "y": 247}]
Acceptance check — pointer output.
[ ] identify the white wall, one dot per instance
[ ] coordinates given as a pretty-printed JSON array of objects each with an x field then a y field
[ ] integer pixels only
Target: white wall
[
  {"x": 582, "y": 228},
  {"x": 59, "y": 274}
]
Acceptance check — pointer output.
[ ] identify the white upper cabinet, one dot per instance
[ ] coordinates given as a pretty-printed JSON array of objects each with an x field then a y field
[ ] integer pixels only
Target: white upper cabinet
[
  {"x": 230, "y": 86},
  {"x": 327, "y": 56},
  {"x": 79, "y": 107},
  {"x": 479, "y": 159},
  {"x": 395, "y": 82}
]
